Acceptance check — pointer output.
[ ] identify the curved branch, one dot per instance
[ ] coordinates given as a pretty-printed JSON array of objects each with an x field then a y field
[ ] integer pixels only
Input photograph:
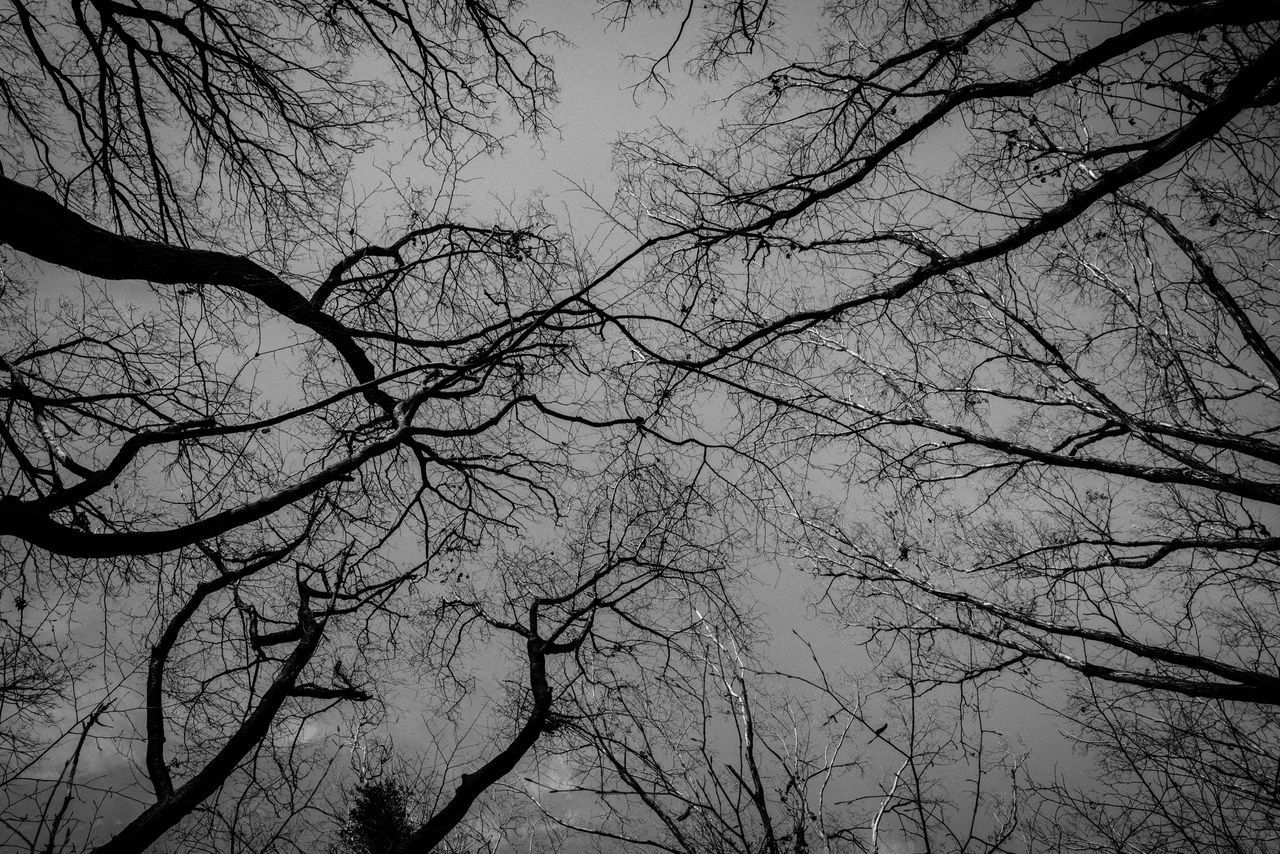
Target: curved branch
[
  {"x": 1243, "y": 90},
  {"x": 473, "y": 785},
  {"x": 27, "y": 522},
  {"x": 35, "y": 224},
  {"x": 173, "y": 807}
]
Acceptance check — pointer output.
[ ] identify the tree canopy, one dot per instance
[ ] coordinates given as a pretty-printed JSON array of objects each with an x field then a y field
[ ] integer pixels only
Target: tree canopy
[{"x": 950, "y": 323}]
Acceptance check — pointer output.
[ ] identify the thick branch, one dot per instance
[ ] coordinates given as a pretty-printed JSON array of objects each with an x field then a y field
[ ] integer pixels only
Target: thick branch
[
  {"x": 473, "y": 785},
  {"x": 37, "y": 225},
  {"x": 1190, "y": 20},
  {"x": 20, "y": 519},
  {"x": 1238, "y": 95},
  {"x": 157, "y": 769},
  {"x": 169, "y": 810}
]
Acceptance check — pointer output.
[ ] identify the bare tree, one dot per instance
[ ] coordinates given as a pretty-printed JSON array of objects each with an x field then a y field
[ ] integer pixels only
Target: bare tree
[
  {"x": 717, "y": 754},
  {"x": 214, "y": 485},
  {"x": 615, "y": 597},
  {"x": 173, "y": 119},
  {"x": 1002, "y": 274},
  {"x": 973, "y": 303}
]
